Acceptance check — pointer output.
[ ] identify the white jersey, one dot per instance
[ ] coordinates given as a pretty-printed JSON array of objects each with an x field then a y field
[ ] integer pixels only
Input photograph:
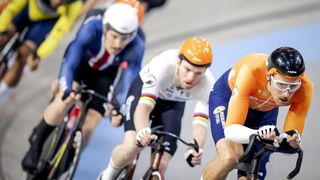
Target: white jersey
[{"x": 158, "y": 78}]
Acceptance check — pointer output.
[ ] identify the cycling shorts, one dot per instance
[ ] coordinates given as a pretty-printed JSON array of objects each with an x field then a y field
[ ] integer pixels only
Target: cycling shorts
[
  {"x": 99, "y": 81},
  {"x": 37, "y": 30},
  {"x": 165, "y": 113}
]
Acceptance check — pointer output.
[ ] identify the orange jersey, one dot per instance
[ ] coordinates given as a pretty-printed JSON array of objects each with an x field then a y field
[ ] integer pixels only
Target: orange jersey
[{"x": 248, "y": 83}]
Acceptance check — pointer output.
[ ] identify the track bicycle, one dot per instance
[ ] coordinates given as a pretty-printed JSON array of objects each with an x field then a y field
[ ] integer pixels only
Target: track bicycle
[
  {"x": 61, "y": 151},
  {"x": 158, "y": 147}
]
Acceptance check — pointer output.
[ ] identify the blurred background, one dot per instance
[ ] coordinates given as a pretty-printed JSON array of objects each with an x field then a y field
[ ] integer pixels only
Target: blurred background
[{"x": 235, "y": 28}]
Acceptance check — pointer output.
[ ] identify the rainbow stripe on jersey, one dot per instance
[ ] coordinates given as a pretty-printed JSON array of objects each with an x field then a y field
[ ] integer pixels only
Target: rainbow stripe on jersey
[
  {"x": 200, "y": 118},
  {"x": 148, "y": 99}
]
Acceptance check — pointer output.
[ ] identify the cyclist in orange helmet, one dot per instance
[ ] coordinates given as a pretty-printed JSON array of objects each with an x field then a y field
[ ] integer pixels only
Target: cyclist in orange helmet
[{"x": 159, "y": 93}]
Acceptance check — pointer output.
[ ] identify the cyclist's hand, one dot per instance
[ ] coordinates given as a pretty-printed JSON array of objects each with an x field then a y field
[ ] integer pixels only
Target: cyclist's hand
[
  {"x": 290, "y": 138},
  {"x": 196, "y": 157},
  {"x": 70, "y": 96},
  {"x": 267, "y": 132},
  {"x": 116, "y": 118},
  {"x": 144, "y": 137},
  {"x": 33, "y": 62}
]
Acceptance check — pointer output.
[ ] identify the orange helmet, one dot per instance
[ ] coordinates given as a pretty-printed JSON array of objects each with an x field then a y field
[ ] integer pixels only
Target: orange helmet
[
  {"x": 137, "y": 5},
  {"x": 197, "y": 51}
]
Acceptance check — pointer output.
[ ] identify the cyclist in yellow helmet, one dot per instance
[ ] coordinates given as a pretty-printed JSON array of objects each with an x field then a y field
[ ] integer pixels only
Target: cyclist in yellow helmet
[{"x": 47, "y": 21}]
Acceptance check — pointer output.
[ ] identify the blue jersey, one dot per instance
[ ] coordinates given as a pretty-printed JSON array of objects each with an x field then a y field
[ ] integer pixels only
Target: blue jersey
[{"x": 88, "y": 48}]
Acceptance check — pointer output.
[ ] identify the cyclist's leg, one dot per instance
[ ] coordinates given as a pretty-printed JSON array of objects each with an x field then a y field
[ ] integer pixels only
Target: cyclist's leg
[
  {"x": 14, "y": 74},
  {"x": 19, "y": 22},
  {"x": 35, "y": 35},
  {"x": 53, "y": 116},
  {"x": 7, "y": 35},
  {"x": 123, "y": 154},
  {"x": 227, "y": 152},
  {"x": 100, "y": 83},
  {"x": 169, "y": 115}
]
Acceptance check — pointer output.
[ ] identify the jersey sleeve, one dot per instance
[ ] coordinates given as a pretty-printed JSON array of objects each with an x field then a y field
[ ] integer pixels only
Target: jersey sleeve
[
  {"x": 62, "y": 26},
  {"x": 239, "y": 101},
  {"x": 12, "y": 9},
  {"x": 154, "y": 76},
  {"x": 134, "y": 58},
  {"x": 201, "y": 114},
  {"x": 74, "y": 55},
  {"x": 298, "y": 110}
]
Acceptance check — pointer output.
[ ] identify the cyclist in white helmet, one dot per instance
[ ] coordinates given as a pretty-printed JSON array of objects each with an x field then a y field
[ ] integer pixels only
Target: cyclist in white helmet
[{"x": 103, "y": 46}]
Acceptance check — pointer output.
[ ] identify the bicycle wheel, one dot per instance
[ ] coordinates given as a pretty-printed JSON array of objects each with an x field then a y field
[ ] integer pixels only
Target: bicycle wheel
[
  {"x": 127, "y": 172},
  {"x": 156, "y": 175},
  {"x": 70, "y": 158},
  {"x": 123, "y": 174},
  {"x": 50, "y": 147}
]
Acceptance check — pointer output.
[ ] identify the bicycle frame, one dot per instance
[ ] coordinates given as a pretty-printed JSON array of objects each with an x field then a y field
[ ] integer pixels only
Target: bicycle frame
[
  {"x": 158, "y": 146},
  {"x": 72, "y": 122},
  {"x": 58, "y": 162}
]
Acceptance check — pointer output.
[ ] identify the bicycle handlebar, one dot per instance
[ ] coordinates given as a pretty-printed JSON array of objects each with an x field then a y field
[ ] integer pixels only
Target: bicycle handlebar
[
  {"x": 194, "y": 145},
  {"x": 270, "y": 147},
  {"x": 82, "y": 90}
]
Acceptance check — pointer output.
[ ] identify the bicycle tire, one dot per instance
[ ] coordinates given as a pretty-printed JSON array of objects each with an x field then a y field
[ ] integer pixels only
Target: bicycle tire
[
  {"x": 49, "y": 148},
  {"x": 123, "y": 174},
  {"x": 127, "y": 172},
  {"x": 157, "y": 175},
  {"x": 71, "y": 157}
]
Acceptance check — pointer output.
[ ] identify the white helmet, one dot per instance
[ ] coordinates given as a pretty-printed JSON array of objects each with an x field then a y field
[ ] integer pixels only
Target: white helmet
[{"x": 121, "y": 17}]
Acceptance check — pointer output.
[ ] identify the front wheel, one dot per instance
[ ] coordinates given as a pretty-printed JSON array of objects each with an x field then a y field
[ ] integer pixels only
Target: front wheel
[
  {"x": 152, "y": 174},
  {"x": 156, "y": 175},
  {"x": 71, "y": 158}
]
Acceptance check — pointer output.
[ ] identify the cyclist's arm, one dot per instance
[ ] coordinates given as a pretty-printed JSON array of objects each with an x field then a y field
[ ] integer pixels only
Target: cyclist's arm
[
  {"x": 297, "y": 113},
  {"x": 200, "y": 119},
  {"x": 74, "y": 55},
  {"x": 141, "y": 116},
  {"x": 238, "y": 107},
  {"x": 12, "y": 9},
  {"x": 200, "y": 122},
  {"x": 134, "y": 59},
  {"x": 62, "y": 26}
]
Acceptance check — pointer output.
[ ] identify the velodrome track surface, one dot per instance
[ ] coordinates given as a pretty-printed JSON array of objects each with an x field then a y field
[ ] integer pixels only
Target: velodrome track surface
[{"x": 234, "y": 28}]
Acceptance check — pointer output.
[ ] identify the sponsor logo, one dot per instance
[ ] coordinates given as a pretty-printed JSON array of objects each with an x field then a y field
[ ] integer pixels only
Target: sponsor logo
[
  {"x": 150, "y": 82},
  {"x": 219, "y": 115},
  {"x": 218, "y": 109}
]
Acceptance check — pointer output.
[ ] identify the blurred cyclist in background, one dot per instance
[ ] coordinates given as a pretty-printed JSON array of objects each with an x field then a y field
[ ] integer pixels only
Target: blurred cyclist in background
[
  {"x": 47, "y": 21},
  {"x": 3, "y": 4},
  {"x": 246, "y": 100},
  {"x": 103, "y": 45},
  {"x": 148, "y": 5}
]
